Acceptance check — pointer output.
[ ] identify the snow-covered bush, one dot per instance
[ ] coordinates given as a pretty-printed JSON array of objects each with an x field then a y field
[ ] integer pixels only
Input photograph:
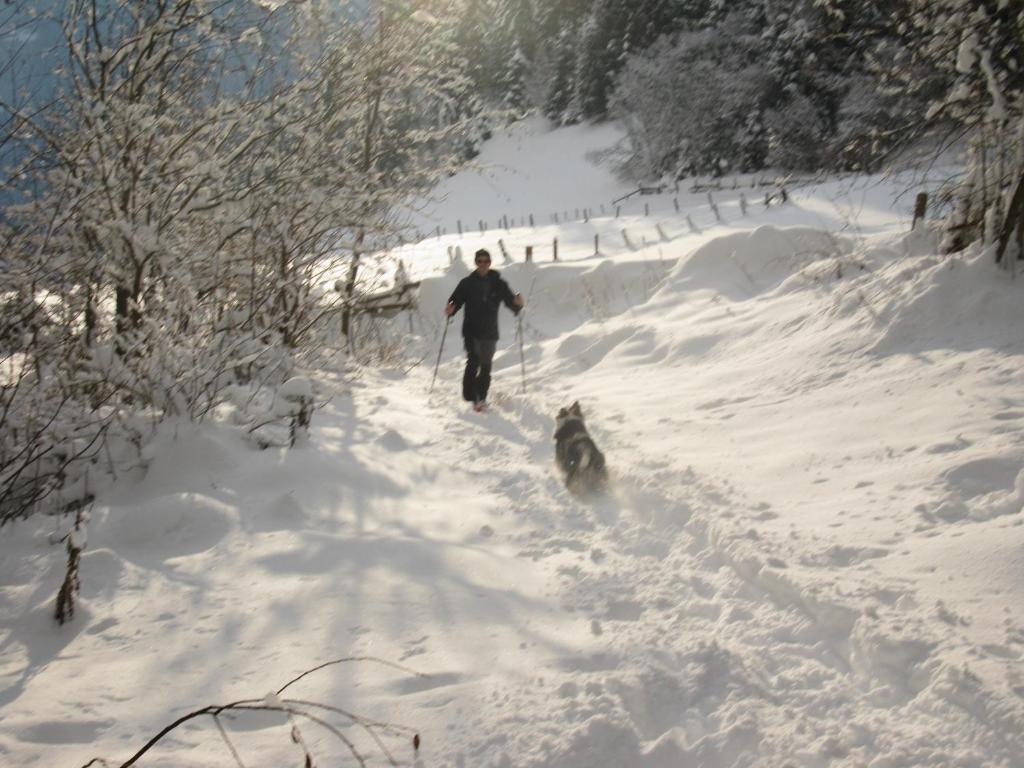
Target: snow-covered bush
[
  {"x": 691, "y": 104},
  {"x": 798, "y": 134},
  {"x": 295, "y": 401}
]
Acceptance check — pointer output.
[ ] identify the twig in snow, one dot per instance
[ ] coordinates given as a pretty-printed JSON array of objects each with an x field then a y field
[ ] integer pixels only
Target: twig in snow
[{"x": 294, "y": 709}]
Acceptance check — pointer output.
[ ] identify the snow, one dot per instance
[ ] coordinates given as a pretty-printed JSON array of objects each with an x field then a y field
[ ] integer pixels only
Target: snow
[
  {"x": 524, "y": 171},
  {"x": 297, "y": 388},
  {"x": 967, "y": 53},
  {"x": 813, "y": 554}
]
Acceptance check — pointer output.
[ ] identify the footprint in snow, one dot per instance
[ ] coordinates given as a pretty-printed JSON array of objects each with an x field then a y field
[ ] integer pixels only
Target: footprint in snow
[
  {"x": 981, "y": 476},
  {"x": 392, "y": 441},
  {"x": 426, "y": 683},
  {"x": 624, "y": 610},
  {"x": 64, "y": 732}
]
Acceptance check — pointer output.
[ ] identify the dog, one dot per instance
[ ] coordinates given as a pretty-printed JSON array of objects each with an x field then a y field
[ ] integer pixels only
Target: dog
[{"x": 576, "y": 454}]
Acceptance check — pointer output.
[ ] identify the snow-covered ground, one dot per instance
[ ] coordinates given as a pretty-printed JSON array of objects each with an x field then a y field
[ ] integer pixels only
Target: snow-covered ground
[{"x": 813, "y": 555}]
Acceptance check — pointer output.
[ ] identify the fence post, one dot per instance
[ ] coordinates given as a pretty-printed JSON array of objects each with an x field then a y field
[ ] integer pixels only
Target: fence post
[
  {"x": 555, "y": 250},
  {"x": 647, "y": 209},
  {"x": 689, "y": 222},
  {"x": 597, "y": 248},
  {"x": 661, "y": 232},
  {"x": 743, "y": 204},
  {"x": 504, "y": 252},
  {"x": 460, "y": 227},
  {"x": 675, "y": 202},
  {"x": 714, "y": 208},
  {"x": 920, "y": 208},
  {"x": 586, "y": 217},
  {"x": 531, "y": 219},
  {"x": 625, "y": 239},
  {"x": 618, "y": 210},
  {"x": 529, "y": 254}
]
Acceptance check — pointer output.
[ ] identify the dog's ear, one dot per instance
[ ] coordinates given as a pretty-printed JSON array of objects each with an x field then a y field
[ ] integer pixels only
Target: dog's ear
[
  {"x": 575, "y": 409},
  {"x": 562, "y": 413}
]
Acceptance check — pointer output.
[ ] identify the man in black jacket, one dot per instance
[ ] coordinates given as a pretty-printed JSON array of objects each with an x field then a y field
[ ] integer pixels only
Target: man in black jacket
[{"x": 481, "y": 293}]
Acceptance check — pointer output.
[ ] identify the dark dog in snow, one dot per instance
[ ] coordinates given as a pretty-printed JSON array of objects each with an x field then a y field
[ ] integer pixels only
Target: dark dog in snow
[{"x": 576, "y": 454}]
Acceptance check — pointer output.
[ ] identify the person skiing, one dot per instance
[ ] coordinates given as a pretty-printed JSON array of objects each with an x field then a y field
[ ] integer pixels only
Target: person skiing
[{"x": 481, "y": 293}]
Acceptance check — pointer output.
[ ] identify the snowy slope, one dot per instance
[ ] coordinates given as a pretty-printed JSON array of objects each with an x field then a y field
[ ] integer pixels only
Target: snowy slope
[
  {"x": 813, "y": 555},
  {"x": 526, "y": 170}
]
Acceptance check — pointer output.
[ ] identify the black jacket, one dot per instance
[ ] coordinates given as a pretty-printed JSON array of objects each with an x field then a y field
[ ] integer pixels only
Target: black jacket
[{"x": 481, "y": 297}]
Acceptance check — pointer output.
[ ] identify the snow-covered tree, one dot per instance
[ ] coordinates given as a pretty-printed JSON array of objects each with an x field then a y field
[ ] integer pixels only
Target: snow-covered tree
[
  {"x": 554, "y": 15},
  {"x": 978, "y": 51},
  {"x": 694, "y": 103},
  {"x": 472, "y": 27},
  {"x": 561, "y": 83},
  {"x": 515, "y": 86},
  {"x": 797, "y": 134},
  {"x": 800, "y": 86},
  {"x": 516, "y": 27},
  {"x": 647, "y": 20},
  {"x": 183, "y": 202},
  {"x": 598, "y": 57}
]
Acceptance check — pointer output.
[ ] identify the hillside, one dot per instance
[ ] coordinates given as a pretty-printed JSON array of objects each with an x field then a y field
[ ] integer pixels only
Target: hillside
[{"x": 811, "y": 556}]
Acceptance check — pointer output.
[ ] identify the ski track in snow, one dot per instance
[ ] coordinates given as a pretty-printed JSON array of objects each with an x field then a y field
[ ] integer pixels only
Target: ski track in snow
[
  {"x": 712, "y": 657},
  {"x": 810, "y": 555}
]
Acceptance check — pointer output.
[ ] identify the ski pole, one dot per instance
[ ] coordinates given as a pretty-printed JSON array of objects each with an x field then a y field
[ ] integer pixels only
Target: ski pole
[
  {"x": 522, "y": 357},
  {"x": 447, "y": 321}
]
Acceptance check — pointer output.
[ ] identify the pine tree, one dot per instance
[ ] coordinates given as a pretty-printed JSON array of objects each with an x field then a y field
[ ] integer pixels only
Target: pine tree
[
  {"x": 599, "y": 56},
  {"x": 516, "y": 20},
  {"x": 473, "y": 45},
  {"x": 560, "y": 91},
  {"x": 514, "y": 83},
  {"x": 554, "y": 16},
  {"x": 647, "y": 20}
]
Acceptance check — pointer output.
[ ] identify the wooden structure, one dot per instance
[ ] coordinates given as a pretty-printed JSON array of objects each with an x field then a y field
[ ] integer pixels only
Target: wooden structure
[{"x": 388, "y": 303}]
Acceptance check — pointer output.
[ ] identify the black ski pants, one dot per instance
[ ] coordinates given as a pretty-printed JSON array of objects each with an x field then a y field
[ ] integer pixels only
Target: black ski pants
[{"x": 477, "y": 378}]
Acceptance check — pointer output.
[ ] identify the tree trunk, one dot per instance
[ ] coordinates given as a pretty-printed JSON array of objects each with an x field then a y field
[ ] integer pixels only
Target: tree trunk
[
  {"x": 1014, "y": 221},
  {"x": 127, "y": 316},
  {"x": 122, "y": 301},
  {"x": 90, "y": 316},
  {"x": 286, "y": 334},
  {"x": 350, "y": 284}
]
